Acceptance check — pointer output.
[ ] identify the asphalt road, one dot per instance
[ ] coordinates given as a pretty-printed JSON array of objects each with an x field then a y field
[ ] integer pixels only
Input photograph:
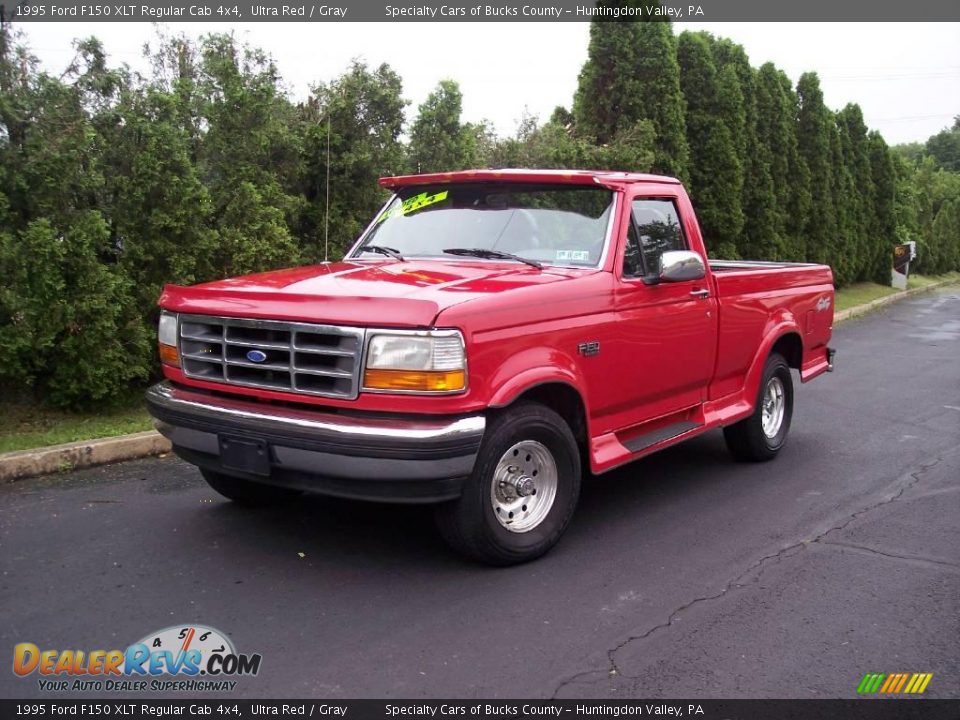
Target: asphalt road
[{"x": 685, "y": 574}]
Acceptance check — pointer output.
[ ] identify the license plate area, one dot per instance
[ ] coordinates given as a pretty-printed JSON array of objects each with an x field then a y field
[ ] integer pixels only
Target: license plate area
[{"x": 245, "y": 454}]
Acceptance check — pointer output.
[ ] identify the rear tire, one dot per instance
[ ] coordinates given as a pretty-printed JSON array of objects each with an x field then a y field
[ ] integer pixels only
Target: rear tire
[
  {"x": 761, "y": 436},
  {"x": 245, "y": 492},
  {"x": 523, "y": 490}
]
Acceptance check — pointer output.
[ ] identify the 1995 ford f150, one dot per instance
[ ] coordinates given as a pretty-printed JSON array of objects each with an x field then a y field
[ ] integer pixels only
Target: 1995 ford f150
[{"x": 490, "y": 338}]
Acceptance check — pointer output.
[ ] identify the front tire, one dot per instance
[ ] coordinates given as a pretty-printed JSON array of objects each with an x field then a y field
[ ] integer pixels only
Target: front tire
[
  {"x": 245, "y": 492},
  {"x": 761, "y": 436},
  {"x": 523, "y": 490}
]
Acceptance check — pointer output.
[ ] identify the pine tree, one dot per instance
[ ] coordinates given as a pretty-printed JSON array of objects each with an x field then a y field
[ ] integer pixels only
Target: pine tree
[
  {"x": 796, "y": 184},
  {"x": 732, "y": 62},
  {"x": 631, "y": 74},
  {"x": 438, "y": 140},
  {"x": 882, "y": 228},
  {"x": 249, "y": 158},
  {"x": 859, "y": 202},
  {"x": 845, "y": 263},
  {"x": 776, "y": 149},
  {"x": 365, "y": 111},
  {"x": 163, "y": 216},
  {"x": 716, "y": 176},
  {"x": 814, "y": 125},
  {"x": 608, "y": 90}
]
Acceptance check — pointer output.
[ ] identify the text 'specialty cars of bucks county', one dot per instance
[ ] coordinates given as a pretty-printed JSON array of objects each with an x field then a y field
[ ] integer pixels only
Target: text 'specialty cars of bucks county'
[{"x": 489, "y": 339}]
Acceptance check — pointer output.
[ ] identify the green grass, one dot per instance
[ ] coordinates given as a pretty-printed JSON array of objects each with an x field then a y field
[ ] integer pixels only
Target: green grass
[
  {"x": 918, "y": 281},
  {"x": 861, "y": 293},
  {"x": 24, "y": 426}
]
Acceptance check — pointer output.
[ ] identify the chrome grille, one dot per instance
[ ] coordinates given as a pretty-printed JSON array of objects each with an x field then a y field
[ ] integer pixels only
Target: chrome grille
[{"x": 296, "y": 357}]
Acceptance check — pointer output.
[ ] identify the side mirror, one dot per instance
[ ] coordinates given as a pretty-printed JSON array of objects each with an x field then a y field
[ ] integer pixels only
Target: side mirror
[{"x": 681, "y": 265}]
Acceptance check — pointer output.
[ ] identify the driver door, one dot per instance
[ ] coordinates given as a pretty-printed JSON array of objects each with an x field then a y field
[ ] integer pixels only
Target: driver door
[{"x": 667, "y": 330}]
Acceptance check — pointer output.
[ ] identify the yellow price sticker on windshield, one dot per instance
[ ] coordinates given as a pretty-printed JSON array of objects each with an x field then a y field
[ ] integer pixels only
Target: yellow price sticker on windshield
[{"x": 412, "y": 204}]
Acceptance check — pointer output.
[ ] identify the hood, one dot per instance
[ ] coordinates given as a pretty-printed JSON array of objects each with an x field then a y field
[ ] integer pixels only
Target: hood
[{"x": 384, "y": 293}]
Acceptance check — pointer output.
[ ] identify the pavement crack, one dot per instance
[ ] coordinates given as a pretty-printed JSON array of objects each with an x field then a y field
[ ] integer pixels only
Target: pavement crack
[
  {"x": 757, "y": 567},
  {"x": 613, "y": 670},
  {"x": 893, "y": 556},
  {"x": 914, "y": 478}
]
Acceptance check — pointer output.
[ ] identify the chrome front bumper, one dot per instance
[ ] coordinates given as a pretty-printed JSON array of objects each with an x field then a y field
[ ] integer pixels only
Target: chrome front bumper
[{"x": 418, "y": 458}]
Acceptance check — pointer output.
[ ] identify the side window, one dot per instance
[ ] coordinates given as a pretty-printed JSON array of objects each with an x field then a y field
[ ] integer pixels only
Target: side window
[{"x": 655, "y": 229}]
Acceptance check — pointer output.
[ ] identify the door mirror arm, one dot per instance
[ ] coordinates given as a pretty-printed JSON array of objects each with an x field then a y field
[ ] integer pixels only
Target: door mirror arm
[{"x": 654, "y": 275}]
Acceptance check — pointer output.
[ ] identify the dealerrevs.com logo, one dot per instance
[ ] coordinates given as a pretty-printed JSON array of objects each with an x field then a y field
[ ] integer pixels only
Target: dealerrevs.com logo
[{"x": 186, "y": 658}]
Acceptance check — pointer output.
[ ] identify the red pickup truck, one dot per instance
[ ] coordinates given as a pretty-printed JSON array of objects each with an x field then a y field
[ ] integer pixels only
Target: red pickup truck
[{"x": 491, "y": 337}]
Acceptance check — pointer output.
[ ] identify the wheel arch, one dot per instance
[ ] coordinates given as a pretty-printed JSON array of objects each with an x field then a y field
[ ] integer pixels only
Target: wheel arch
[
  {"x": 561, "y": 397},
  {"x": 790, "y": 346},
  {"x": 784, "y": 339}
]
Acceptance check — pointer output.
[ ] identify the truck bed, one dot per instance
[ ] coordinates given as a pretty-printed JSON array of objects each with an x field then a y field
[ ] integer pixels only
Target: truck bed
[{"x": 753, "y": 296}]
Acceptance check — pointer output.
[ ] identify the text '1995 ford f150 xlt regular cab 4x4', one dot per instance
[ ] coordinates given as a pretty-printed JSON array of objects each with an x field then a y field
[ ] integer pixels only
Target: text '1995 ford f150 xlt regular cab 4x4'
[{"x": 492, "y": 336}]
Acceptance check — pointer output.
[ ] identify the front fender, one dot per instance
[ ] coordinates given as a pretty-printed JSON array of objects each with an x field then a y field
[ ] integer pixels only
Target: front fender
[{"x": 532, "y": 367}]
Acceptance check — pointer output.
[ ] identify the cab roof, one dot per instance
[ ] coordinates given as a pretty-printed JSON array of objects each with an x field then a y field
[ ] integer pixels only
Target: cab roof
[{"x": 606, "y": 178}]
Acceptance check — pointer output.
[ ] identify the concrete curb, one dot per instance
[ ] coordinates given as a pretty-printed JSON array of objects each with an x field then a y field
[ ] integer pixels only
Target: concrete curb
[
  {"x": 859, "y": 310},
  {"x": 85, "y": 453}
]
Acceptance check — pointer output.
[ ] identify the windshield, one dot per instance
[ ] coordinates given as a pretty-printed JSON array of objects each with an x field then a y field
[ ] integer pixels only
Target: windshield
[{"x": 557, "y": 224}]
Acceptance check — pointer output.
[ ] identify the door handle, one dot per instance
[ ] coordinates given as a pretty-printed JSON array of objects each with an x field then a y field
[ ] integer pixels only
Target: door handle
[{"x": 702, "y": 294}]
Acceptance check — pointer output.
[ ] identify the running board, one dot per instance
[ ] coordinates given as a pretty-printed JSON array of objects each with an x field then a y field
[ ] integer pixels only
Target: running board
[{"x": 667, "y": 432}]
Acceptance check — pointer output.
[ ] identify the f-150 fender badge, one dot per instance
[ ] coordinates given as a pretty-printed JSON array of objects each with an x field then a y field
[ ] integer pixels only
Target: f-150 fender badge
[
  {"x": 589, "y": 348},
  {"x": 823, "y": 303}
]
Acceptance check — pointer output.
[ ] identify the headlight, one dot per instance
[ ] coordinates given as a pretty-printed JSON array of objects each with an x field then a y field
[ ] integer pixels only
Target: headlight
[
  {"x": 431, "y": 361},
  {"x": 167, "y": 337}
]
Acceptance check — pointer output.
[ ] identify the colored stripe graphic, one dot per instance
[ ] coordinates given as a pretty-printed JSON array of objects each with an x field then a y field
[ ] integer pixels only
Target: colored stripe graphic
[
  {"x": 918, "y": 683},
  {"x": 894, "y": 683},
  {"x": 870, "y": 683}
]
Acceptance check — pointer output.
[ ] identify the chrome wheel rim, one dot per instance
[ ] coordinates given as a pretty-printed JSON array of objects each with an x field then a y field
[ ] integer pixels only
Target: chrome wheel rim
[
  {"x": 524, "y": 486},
  {"x": 773, "y": 406}
]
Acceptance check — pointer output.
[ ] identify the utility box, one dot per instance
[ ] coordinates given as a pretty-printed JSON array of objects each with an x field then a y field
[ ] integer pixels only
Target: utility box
[{"x": 902, "y": 255}]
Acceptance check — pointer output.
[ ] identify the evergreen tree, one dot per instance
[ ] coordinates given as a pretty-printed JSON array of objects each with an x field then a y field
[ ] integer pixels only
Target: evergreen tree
[
  {"x": 859, "y": 201},
  {"x": 882, "y": 228},
  {"x": 716, "y": 176},
  {"x": 364, "y": 108},
  {"x": 944, "y": 147},
  {"x": 72, "y": 331},
  {"x": 740, "y": 115},
  {"x": 794, "y": 188},
  {"x": 439, "y": 142},
  {"x": 844, "y": 261},
  {"x": 609, "y": 91},
  {"x": 945, "y": 236},
  {"x": 631, "y": 74},
  {"x": 814, "y": 125},
  {"x": 163, "y": 212},
  {"x": 249, "y": 181}
]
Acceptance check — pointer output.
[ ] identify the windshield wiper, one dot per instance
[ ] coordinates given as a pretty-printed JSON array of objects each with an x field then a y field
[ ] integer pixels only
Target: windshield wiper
[
  {"x": 492, "y": 255},
  {"x": 384, "y": 250}
]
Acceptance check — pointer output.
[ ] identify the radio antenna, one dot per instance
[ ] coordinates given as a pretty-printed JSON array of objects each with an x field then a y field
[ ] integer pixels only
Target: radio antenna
[{"x": 326, "y": 210}]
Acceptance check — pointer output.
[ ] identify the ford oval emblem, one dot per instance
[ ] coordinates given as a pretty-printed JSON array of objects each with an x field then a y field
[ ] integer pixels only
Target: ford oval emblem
[{"x": 257, "y": 356}]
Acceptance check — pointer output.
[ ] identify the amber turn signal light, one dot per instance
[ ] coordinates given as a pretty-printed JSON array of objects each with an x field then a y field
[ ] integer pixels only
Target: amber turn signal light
[
  {"x": 169, "y": 355},
  {"x": 415, "y": 380}
]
